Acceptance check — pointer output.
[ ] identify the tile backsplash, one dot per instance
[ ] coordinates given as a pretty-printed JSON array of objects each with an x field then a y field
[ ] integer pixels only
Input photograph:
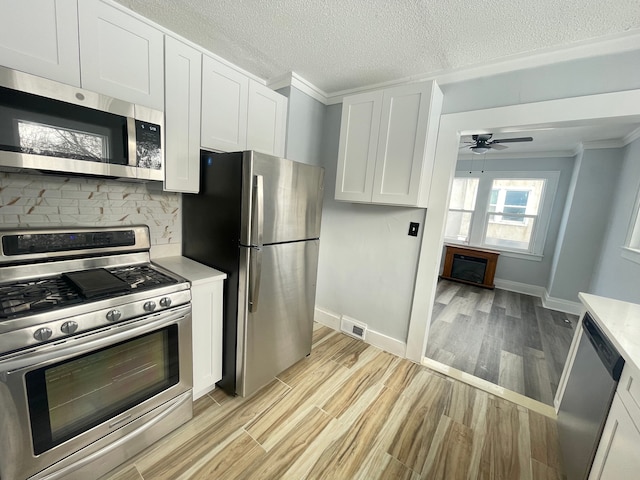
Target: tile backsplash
[{"x": 41, "y": 201}]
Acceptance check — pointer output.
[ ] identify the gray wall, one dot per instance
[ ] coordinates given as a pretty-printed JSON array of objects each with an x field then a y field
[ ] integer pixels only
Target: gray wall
[
  {"x": 615, "y": 276},
  {"x": 530, "y": 271},
  {"x": 604, "y": 74},
  {"x": 304, "y": 127},
  {"x": 586, "y": 216}
]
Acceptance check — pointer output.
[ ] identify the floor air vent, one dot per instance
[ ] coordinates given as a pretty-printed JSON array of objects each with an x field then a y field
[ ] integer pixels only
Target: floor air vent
[{"x": 353, "y": 327}]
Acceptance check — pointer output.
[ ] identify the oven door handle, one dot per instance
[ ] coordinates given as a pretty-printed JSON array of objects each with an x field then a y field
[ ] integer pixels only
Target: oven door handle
[{"x": 73, "y": 346}]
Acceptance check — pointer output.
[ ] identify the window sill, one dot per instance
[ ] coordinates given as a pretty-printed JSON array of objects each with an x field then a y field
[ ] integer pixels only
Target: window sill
[
  {"x": 506, "y": 253},
  {"x": 631, "y": 254}
]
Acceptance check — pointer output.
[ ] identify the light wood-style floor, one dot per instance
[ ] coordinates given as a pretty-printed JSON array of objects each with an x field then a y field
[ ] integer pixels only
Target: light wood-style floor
[
  {"x": 506, "y": 338},
  {"x": 352, "y": 411}
]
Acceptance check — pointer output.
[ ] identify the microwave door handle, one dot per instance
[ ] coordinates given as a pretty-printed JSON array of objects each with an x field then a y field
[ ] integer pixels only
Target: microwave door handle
[
  {"x": 255, "y": 276},
  {"x": 131, "y": 142}
]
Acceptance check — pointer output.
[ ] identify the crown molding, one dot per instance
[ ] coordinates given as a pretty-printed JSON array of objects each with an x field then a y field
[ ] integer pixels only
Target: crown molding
[
  {"x": 606, "y": 45},
  {"x": 292, "y": 79},
  {"x": 631, "y": 137}
]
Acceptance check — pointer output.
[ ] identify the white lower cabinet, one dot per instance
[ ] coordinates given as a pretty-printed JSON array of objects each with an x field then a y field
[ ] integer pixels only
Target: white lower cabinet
[
  {"x": 206, "y": 302},
  {"x": 617, "y": 456},
  {"x": 207, "y": 285},
  {"x": 183, "y": 76}
]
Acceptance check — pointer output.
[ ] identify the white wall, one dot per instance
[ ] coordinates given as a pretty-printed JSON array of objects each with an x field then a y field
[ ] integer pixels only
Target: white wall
[{"x": 616, "y": 276}]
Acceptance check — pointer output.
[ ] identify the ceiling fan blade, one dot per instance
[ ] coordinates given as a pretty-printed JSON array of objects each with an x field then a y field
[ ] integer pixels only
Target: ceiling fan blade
[
  {"x": 511, "y": 140},
  {"x": 497, "y": 146}
]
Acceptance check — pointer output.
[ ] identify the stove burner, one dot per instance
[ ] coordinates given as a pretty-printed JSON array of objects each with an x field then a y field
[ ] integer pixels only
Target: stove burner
[{"x": 35, "y": 296}]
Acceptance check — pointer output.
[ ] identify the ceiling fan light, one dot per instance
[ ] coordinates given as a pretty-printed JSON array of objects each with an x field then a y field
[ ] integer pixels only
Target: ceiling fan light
[{"x": 479, "y": 150}]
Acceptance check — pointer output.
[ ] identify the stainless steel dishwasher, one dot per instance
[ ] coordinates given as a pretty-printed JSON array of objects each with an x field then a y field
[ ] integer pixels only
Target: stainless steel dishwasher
[{"x": 587, "y": 399}]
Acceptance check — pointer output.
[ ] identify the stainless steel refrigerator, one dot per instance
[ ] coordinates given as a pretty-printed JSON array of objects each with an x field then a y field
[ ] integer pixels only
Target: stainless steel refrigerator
[{"x": 257, "y": 218}]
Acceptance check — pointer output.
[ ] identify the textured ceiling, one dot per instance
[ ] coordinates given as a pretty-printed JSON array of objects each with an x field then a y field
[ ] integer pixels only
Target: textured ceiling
[{"x": 339, "y": 45}]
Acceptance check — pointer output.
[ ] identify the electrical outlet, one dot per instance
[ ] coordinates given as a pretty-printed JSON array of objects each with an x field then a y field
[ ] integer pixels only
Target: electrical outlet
[{"x": 413, "y": 229}]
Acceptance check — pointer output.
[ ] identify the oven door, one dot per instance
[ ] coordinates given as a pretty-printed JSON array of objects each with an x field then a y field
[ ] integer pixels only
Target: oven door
[{"x": 70, "y": 399}]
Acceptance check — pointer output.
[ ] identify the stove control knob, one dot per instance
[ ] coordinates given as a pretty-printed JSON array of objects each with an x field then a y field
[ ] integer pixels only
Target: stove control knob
[
  {"x": 69, "y": 327},
  {"x": 165, "y": 302},
  {"x": 42, "y": 334},
  {"x": 114, "y": 315},
  {"x": 150, "y": 306}
]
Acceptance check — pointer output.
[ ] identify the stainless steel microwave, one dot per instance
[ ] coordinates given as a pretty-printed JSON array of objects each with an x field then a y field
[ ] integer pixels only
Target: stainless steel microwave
[{"x": 52, "y": 127}]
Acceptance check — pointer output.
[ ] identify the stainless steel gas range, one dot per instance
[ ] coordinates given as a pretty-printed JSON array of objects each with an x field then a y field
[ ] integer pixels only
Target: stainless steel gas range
[{"x": 95, "y": 351}]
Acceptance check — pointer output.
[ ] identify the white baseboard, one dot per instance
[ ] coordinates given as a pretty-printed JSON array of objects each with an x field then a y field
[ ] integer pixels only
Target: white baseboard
[
  {"x": 551, "y": 303},
  {"x": 327, "y": 318},
  {"x": 562, "y": 305},
  {"x": 518, "y": 287},
  {"x": 376, "y": 339}
]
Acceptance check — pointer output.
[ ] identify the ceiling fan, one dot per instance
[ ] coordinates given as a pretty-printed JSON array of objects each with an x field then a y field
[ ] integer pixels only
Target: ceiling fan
[{"x": 482, "y": 142}]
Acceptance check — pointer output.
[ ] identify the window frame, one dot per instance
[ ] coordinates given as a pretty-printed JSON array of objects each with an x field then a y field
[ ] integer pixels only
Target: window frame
[
  {"x": 479, "y": 225},
  {"x": 631, "y": 247}
]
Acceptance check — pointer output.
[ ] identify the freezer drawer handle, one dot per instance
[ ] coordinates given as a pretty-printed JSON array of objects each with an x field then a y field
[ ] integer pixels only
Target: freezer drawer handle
[{"x": 255, "y": 273}]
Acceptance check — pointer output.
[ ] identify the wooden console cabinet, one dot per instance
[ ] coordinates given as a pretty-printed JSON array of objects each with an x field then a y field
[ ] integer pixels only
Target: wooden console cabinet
[{"x": 474, "y": 266}]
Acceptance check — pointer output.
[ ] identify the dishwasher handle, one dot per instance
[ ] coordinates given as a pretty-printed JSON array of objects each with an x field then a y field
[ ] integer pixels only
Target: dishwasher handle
[{"x": 607, "y": 352}]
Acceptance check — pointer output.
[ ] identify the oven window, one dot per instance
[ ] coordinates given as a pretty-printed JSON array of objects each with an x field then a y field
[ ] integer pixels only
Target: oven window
[{"x": 70, "y": 397}]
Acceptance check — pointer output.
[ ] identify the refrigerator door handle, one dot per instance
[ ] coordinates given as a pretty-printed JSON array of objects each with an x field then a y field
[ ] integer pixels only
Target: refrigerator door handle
[
  {"x": 255, "y": 274},
  {"x": 258, "y": 211}
]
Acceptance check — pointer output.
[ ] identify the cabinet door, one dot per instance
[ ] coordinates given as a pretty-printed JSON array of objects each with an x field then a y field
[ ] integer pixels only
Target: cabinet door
[
  {"x": 41, "y": 37},
  {"x": 120, "y": 56},
  {"x": 617, "y": 455},
  {"x": 267, "y": 120},
  {"x": 183, "y": 76},
  {"x": 401, "y": 144},
  {"x": 224, "y": 107},
  {"x": 358, "y": 143},
  {"x": 206, "y": 304}
]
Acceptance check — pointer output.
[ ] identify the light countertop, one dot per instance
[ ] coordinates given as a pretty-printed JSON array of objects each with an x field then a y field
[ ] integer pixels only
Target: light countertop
[
  {"x": 195, "y": 272},
  {"x": 620, "y": 321}
]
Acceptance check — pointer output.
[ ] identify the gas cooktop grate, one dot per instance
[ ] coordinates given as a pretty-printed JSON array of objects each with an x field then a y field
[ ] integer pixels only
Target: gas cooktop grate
[
  {"x": 142, "y": 277},
  {"x": 35, "y": 296},
  {"x": 30, "y": 297}
]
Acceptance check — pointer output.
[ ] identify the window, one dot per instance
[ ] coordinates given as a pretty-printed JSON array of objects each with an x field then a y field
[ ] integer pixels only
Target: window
[
  {"x": 513, "y": 210},
  {"x": 461, "y": 207},
  {"x": 508, "y": 211}
]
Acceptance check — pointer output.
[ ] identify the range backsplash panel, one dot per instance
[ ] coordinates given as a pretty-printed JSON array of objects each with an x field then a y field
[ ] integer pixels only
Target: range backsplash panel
[{"x": 34, "y": 201}]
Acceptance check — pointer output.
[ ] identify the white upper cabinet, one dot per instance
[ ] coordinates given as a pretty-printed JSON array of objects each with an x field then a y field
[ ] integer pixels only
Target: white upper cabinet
[
  {"x": 40, "y": 37},
  {"x": 387, "y": 145},
  {"x": 183, "y": 77},
  {"x": 120, "y": 56},
  {"x": 239, "y": 113},
  {"x": 267, "y": 120},
  {"x": 358, "y": 146},
  {"x": 225, "y": 93}
]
